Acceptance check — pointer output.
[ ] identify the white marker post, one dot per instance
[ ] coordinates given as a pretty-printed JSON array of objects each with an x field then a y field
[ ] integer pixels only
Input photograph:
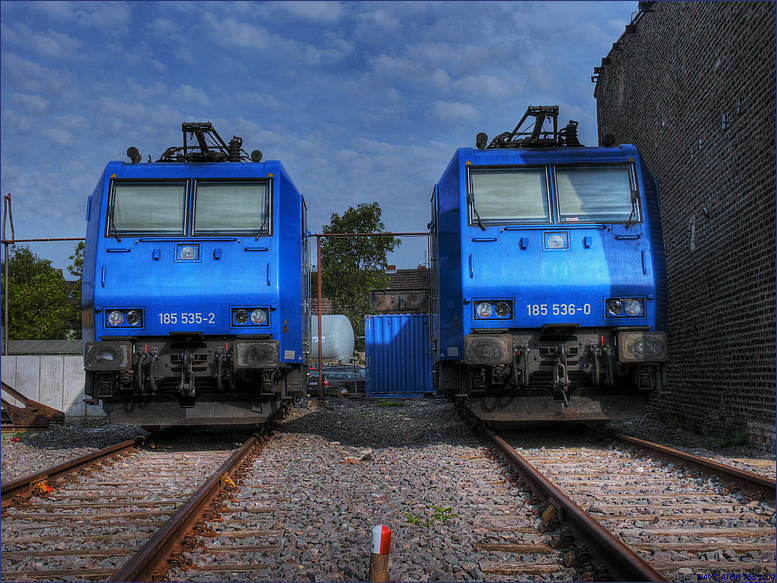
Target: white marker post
[{"x": 379, "y": 552}]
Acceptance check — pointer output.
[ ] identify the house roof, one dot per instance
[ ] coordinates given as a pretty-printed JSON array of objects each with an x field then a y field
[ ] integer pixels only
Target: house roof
[
  {"x": 326, "y": 305},
  {"x": 409, "y": 279}
]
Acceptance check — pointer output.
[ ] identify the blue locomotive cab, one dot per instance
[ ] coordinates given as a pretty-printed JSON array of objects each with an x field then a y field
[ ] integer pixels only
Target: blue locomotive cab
[
  {"x": 195, "y": 287},
  {"x": 548, "y": 283}
]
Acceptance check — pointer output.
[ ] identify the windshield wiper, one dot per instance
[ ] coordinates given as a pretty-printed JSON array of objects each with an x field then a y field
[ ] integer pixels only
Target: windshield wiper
[
  {"x": 264, "y": 220},
  {"x": 111, "y": 225},
  {"x": 634, "y": 200},
  {"x": 471, "y": 199},
  {"x": 261, "y": 229}
]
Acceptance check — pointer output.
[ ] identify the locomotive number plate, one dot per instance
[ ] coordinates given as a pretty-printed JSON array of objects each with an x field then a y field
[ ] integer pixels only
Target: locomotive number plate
[
  {"x": 187, "y": 318},
  {"x": 557, "y": 309}
]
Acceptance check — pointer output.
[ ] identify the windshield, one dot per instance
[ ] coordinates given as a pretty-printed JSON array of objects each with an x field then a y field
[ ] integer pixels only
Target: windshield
[
  {"x": 596, "y": 195},
  {"x": 230, "y": 207},
  {"x": 148, "y": 208},
  {"x": 509, "y": 196}
]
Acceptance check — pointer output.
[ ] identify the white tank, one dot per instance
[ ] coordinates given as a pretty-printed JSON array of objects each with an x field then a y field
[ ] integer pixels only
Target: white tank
[{"x": 338, "y": 339}]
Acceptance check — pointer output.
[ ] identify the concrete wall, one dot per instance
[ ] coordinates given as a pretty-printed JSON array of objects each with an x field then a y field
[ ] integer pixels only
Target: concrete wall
[
  {"x": 55, "y": 380},
  {"x": 692, "y": 85}
]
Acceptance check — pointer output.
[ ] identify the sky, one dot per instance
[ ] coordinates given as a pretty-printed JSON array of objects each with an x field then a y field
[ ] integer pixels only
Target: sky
[{"x": 360, "y": 101}]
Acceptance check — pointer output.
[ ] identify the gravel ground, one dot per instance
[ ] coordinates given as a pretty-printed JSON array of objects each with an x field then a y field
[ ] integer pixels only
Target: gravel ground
[
  {"x": 27, "y": 452},
  {"x": 329, "y": 474},
  {"x": 720, "y": 450},
  {"x": 418, "y": 441}
]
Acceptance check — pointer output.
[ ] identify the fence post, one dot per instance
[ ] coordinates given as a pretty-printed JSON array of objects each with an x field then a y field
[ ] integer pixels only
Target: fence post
[{"x": 379, "y": 552}]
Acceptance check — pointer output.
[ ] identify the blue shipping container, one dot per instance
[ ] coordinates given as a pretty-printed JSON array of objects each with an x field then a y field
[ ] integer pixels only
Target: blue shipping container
[{"x": 398, "y": 356}]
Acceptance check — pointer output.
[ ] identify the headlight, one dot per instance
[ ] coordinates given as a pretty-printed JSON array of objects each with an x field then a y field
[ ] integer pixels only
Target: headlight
[
  {"x": 124, "y": 318},
  {"x": 624, "y": 307},
  {"x": 241, "y": 316},
  {"x": 133, "y": 317},
  {"x": 502, "y": 309},
  {"x": 188, "y": 252},
  {"x": 250, "y": 317},
  {"x": 258, "y": 316},
  {"x": 632, "y": 307},
  {"x": 493, "y": 309},
  {"x": 556, "y": 241},
  {"x": 115, "y": 318},
  {"x": 483, "y": 310}
]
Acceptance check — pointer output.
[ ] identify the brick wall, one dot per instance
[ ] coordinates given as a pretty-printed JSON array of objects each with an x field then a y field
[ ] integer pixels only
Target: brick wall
[{"x": 692, "y": 84}]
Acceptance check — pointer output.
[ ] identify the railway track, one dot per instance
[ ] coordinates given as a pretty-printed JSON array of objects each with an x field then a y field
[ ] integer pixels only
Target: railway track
[
  {"x": 101, "y": 516},
  {"x": 302, "y": 509},
  {"x": 295, "y": 500},
  {"x": 646, "y": 507}
]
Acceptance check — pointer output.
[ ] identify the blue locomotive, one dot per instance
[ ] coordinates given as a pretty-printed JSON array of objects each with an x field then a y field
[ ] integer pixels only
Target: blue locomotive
[
  {"x": 548, "y": 295},
  {"x": 195, "y": 287}
]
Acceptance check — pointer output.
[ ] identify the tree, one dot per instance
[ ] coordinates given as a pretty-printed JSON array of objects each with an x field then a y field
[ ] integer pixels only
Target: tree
[
  {"x": 351, "y": 266},
  {"x": 39, "y": 308},
  {"x": 77, "y": 269}
]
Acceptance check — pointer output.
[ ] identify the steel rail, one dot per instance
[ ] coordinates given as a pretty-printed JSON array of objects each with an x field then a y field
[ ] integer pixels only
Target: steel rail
[
  {"x": 619, "y": 557},
  {"x": 748, "y": 481},
  {"x": 23, "y": 486},
  {"x": 143, "y": 564}
]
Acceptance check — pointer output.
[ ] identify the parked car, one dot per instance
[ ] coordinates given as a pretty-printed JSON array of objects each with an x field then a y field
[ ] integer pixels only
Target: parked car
[
  {"x": 347, "y": 380},
  {"x": 313, "y": 384}
]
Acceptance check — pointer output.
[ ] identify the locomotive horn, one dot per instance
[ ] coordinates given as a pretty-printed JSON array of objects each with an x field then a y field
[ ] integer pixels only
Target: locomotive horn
[
  {"x": 133, "y": 154},
  {"x": 481, "y": 140}
]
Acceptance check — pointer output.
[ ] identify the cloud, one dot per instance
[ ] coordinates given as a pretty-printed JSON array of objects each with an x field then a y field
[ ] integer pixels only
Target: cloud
[
  {"x": 47, "y": 44},
  {"x": 489, "y": 86},
  {"x": 269, "y": 46},
  {"x": 58, "y": 136},
  {"x": 264, "y": 100},
  {"x": 455, "y": 111},
  {"x": 36, "y": 104},
  {"x": 360, "y": 101},
  {"x": 28, "y": 75},
  {"x": 231, "y": 31},
  {"x": 187, "y": 93},
  {"x": 323, "y": 12},
  {"x": 111, "y": 15},
  {"x": 14, "y": 121}
]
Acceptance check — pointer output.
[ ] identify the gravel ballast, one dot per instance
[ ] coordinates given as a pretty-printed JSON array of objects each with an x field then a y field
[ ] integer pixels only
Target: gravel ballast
[
  {"x": 24, "y": 453},
  {"x": 358, "y": 463}
]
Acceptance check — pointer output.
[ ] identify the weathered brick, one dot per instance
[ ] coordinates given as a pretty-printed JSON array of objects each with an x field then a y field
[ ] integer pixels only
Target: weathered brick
[{"x": 694, "y": 89}]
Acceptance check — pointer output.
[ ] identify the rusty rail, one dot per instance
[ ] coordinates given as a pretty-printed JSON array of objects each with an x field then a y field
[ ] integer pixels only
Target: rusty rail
[
  {"x": 23, "y": 486},
  {"x": 151, "y": 557},
  {"x": 628, "y": 565},
  {"x": 748, "y": 481}
]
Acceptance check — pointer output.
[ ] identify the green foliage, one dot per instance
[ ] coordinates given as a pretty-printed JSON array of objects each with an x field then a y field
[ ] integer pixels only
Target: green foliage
[
  {"x": 672, "y": 422},
  {"x": 77, "y": 269},
  {"x": 351, "y": 266},
  {"x": 418, "y": 520},
  {"x": 390, "y": 403},
  {"x": 737, "y": 439},
  {"x": 39, "y": 308},
  {"x": 440, "y": 514},
  {"x": 443, "y": 514}
]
